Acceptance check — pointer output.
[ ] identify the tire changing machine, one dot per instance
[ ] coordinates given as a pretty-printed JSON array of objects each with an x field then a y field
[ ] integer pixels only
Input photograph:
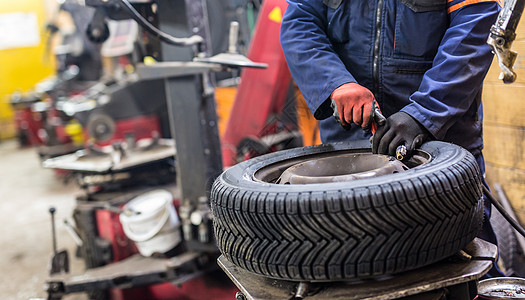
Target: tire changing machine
[
  {"x": 453, "y": 279},
  {"x": 188, "y": 79}
]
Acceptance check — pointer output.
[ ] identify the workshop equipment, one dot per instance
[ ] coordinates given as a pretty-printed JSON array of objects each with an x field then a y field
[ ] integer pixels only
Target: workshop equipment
[
  {"x": 502, "y": 34},
  {"x": 191, "y": 110},
  {"x": 117, "y": 271},
  {"x": 60, "y": 259},
  {"x": 78, "y": 67},
  {"x": 74, "y": 49},
  {"x": 53, "y": 111},
  {"x": 28, "y": 123},
  {"x": 232, "y": 58},
  {"x": 453, "y": 278},
  {"x": 153, "y": 225},
  {"x": 501, "y": 288},
  {"x": 128, "y": 108},
  {"x": 110, "y": 109},
  {"x": 261, "y": 96},
  {"x": 122, "y": 164}
]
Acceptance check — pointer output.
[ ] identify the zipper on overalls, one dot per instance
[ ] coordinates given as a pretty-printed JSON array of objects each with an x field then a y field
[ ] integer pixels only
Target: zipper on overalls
[{"x": 377, "y": 47}]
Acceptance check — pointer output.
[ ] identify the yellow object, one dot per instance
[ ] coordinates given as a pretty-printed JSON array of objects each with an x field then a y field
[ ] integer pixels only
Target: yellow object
[
  {"x": 308, "y": 125},
  {"x": 129, "y": 69},
  {"x": 148, "y": 60},
  {"x": 74, "y": 131},
  {"x": 21, "y": 68},
  {"x": 225, "y": 97},
  {"x": 276, "y": 15}
]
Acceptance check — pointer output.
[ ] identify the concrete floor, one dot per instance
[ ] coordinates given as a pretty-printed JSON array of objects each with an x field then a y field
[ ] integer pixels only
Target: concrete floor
[{"x": 27, "y": 191}]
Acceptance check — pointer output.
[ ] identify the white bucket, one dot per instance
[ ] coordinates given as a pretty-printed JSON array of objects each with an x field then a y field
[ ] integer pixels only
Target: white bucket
[{"x": 156, "y": 228}]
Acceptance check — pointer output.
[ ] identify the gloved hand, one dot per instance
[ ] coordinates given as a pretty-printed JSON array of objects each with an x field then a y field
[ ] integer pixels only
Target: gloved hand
[
  {"x": 400, "y": 129},
  {"x": 353, "y": 103}
]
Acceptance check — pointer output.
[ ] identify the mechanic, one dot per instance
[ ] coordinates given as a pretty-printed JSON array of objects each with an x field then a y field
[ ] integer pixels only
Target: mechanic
[{"x": 422, "y": 61}]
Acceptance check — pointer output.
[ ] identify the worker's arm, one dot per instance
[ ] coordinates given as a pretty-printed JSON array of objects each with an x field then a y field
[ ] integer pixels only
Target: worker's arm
[
  {"x": 462, "y": 61},
  {"x": 315, "y": 67}
]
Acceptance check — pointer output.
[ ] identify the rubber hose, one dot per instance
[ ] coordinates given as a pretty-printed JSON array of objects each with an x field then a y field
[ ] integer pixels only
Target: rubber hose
[
  {"x": 503, "y": 212},
  {"x": 190, "y": 41}
]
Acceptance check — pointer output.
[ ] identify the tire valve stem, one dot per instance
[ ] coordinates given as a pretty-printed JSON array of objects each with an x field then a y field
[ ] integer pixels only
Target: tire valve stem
[{"x": 401, "y": 151}]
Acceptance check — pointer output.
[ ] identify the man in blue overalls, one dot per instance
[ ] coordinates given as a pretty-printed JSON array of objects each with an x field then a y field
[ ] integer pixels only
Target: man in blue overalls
[{"x": 422, "y": 61}]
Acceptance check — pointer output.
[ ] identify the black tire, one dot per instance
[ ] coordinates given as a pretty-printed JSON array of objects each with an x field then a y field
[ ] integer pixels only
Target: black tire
[{"x": 345, "y": 230}]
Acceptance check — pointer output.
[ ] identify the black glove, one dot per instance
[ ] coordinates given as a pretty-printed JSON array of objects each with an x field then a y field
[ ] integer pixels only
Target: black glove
[{"x": 400, "y": 129}]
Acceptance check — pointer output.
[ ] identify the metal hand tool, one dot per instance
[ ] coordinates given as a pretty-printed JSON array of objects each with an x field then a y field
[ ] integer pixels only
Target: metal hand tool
[{"x": 377, "y": 117}]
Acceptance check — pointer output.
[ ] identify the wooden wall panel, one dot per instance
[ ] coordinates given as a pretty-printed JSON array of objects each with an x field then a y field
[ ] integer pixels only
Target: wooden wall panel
[
  {"x": 511, "y": 181},
  {"x": 505, "y": 146},
  {"x": 503, "y": 104}
]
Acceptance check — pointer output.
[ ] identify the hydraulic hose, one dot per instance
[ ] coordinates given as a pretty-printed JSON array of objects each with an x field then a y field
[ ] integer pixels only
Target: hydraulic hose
[
  {"x": 503, "y": 212},
  {"x": 190, "y": 41}
]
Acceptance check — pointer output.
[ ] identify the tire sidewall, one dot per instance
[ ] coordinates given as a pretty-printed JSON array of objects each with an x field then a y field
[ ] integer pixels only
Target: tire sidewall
[{"x": 241, "y": 175}]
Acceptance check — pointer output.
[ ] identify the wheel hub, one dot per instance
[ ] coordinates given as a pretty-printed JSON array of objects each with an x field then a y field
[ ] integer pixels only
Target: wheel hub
[
  {"x": 341, "y": 168},
  {"x": 338, "y": 167}
]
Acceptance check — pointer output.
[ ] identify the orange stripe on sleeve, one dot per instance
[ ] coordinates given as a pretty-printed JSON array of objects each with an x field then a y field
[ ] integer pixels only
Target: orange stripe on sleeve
[{"x": 467, "y": 2}]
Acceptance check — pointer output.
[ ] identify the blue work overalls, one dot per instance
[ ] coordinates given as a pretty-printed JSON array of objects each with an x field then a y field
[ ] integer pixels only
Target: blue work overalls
[{"x": 427, "y": 58}]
